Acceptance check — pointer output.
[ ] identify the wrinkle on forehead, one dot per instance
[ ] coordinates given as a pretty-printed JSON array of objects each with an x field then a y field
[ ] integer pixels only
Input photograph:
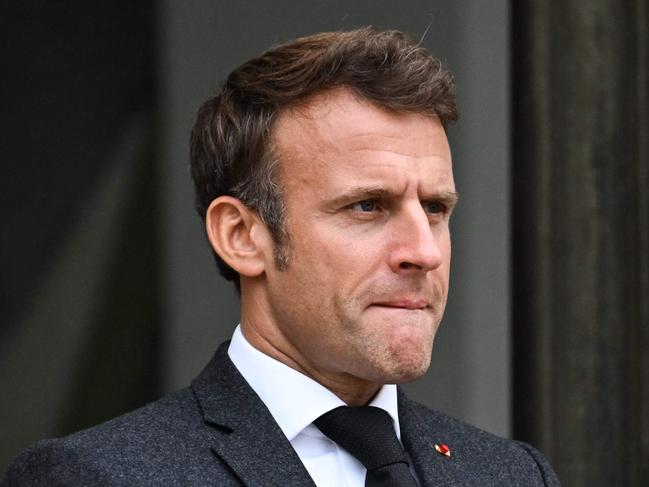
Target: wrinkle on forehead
[{"x": 340, "y": 125}]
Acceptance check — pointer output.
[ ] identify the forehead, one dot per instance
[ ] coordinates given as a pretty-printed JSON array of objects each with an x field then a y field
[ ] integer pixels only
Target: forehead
[
  {"x": 338, "y": 136},
  {"x": 337, "y": 142},
  {"x": 339, "y": 115}
]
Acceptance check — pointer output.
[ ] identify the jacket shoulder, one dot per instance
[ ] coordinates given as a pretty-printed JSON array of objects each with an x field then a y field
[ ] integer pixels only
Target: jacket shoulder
[
  {"x": 137, "y": 448},
  {"x": 476, "y": 456}
]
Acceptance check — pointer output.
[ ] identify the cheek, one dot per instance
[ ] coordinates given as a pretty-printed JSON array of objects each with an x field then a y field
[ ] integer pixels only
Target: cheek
[
  {"x": 346, "y": 260},
  {"x": 444, "y": 243}
]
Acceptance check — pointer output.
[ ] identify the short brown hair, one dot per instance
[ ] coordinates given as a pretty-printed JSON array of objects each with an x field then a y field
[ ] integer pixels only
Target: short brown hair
[{"x": 231, "y": 151}]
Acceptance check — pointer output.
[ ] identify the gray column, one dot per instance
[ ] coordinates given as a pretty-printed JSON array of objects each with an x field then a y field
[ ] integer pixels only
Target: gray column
[{"x": 581, "y": 236}]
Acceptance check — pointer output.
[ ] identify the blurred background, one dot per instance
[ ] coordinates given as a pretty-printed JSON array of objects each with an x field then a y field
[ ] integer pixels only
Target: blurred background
[{"x": 109, "y": 297}]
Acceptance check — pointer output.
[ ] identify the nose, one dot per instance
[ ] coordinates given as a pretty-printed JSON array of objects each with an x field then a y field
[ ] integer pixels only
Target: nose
[{"x": 417, "y": 244}]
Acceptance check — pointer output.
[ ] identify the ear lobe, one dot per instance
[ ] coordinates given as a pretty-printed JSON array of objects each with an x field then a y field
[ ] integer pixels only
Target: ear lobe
[{"x": 237, "y": 234}]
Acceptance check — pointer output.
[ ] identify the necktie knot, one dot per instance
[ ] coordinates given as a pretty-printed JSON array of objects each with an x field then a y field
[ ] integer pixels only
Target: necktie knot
[{"x": 368, "y": 434}]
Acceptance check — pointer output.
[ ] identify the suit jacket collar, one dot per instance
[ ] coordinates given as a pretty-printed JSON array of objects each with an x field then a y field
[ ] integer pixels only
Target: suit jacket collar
[{"x": 244, "y": 435}]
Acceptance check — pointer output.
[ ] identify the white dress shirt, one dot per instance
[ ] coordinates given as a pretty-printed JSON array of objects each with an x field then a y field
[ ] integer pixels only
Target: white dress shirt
[{"x": 295, "y": 401}]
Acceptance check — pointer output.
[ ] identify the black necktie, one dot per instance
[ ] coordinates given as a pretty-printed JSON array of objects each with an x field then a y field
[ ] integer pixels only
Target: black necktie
[{"x": 367, "y": 433}]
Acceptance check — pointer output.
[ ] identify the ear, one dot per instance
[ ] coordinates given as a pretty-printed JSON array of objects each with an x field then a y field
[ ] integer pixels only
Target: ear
[{"x": 238, "y": 235}]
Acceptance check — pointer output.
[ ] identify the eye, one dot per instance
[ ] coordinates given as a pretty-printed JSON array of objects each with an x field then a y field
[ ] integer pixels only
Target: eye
[
  {"x": 435, "y": 207},
  {"x": 365, "y": 206}
]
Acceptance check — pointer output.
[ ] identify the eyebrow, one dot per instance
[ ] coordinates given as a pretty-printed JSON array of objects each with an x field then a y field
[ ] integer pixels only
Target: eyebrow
[
  {"x": 449, "y": 198},
  {"x": 357, "y": 193},
  {"x": 362, "y": 192}
]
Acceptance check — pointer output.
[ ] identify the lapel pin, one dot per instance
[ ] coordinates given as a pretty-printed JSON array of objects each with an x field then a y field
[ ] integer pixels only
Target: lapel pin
[{"x": 443, "y": 449}]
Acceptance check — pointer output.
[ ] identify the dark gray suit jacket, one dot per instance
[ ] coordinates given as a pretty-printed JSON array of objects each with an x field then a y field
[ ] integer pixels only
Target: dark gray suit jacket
[{"x": 219, "y": 433}]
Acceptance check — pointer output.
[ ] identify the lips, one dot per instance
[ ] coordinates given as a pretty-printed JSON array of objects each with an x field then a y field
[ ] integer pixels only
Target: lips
[{"x": 405, "y": 303}]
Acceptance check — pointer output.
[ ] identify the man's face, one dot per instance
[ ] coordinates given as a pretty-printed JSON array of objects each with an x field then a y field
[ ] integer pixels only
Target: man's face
[{"x": 368, "y": 196}]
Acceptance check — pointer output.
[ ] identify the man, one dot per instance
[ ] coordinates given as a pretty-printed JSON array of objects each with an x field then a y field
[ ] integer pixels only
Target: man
[{"x": 323, "y": 173}]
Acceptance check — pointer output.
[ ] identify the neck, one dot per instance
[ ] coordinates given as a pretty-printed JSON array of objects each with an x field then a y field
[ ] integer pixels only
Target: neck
[{"x": 354, "y": 391}]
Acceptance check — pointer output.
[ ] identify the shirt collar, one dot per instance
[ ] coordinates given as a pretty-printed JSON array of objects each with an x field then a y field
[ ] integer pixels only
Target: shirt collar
[{"x": 293, "y": 399}]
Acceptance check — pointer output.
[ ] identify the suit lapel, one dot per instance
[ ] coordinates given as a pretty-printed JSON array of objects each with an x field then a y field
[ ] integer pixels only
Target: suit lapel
[
  {"x": 243, "y": 433},
  {"x": 419, "y": 436}
]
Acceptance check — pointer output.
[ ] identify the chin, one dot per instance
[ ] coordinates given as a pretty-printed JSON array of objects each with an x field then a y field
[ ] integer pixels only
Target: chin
[
  {"x": 409, "y": 371},
  {"x": 403, "y": 365}
]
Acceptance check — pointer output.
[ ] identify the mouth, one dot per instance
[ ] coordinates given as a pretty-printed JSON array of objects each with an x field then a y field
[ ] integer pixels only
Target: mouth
[{"x": 409, "y": 304}]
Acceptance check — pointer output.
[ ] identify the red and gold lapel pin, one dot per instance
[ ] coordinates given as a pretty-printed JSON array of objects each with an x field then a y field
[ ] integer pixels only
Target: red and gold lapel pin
[{"x": 443, "y": 449}]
